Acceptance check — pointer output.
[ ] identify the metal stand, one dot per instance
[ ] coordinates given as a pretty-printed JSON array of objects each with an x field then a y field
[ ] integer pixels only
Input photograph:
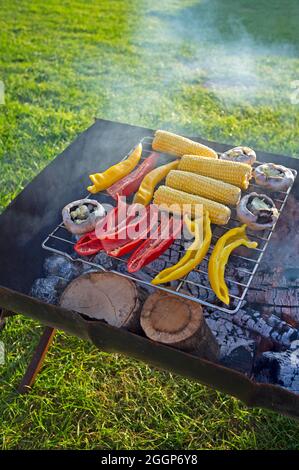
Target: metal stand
[
  {"x": 37, "y": 360},
  {"x": 39, "y": 354},
  {"x": 3, "y": 315},
  {"x": 2, "y": 320}
]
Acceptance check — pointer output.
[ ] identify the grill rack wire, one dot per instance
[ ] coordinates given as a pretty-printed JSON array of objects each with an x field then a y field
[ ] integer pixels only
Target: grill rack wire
[{"x": 241, "y": 267}]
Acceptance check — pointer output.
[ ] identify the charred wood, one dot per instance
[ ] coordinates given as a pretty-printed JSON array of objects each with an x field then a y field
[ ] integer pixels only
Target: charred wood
[{"x": 237, "y": 349}]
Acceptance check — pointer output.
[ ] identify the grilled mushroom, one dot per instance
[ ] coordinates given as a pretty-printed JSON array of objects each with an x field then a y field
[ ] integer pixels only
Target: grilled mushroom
[
  {"x": 258, "y": 211},
  {"x": 82, "y": 216},
  {"x": 275, "y": 177},
  {"x": 240, "y": 154}
]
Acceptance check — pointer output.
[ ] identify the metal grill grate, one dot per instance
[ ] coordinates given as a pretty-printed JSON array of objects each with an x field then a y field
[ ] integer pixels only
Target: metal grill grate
[{"x": 239, "y": 272}]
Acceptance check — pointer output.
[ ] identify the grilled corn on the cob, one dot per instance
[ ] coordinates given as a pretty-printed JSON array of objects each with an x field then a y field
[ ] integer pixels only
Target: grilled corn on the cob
[
  {"x": 234, "y": 173},
  {"x": 166, "y": 197},
  {"x": 177, "y": 145},
  {"x": 210, "y": 188}
]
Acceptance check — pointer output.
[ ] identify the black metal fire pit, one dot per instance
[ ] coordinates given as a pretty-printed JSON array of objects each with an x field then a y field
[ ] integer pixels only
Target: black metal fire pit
[{"x": 29, "y": 219}]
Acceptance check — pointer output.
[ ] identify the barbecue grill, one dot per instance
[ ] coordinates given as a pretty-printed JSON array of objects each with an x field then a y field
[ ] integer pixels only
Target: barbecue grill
[
  {"x": 60, "y": 241},
  {"x": 32, "y": 224}
]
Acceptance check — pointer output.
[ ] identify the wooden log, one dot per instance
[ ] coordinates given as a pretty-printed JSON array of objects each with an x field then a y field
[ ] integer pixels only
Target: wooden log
[
  {"x": 275, "y": 287},
  {"x": 277, "y": 291},
  {"x": 105, "y": 296},
  {"x": 179, "y": 323},
  {"x": 237, "y": 348}
]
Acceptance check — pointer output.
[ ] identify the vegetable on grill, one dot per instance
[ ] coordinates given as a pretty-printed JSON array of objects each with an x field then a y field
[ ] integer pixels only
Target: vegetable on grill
[
  {"x": 158, "y": 242},
  {"x": 132, "y": 232},
  {"x": 88, "y": 245},
  {"x": 205, "y": 186},
  {"x": 258, "y": 211},
  {"x": 194, "y": 254},
  {"x": 150, "y": 181},
  {"x": 102, "y": 181},
  {"x": 176, "y": 201},
  {"x": 177, "y": 145},
  {"x": 82, "y": 216},
  {"x": 234, "y": 173},
  {"x": 219, "y": 257},
  {"x": 274, "y": 177},
  {"x": 240, "y": 154},
  {"x": 130, "y": 183}
]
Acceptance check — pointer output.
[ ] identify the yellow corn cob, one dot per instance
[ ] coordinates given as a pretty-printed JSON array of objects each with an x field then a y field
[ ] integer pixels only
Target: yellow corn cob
[
  {"x": 177, "y": 145},
  {"x": 234, "y": 173},
  {"x": 164, "y": 196},
  {"x": 204, "y": 186}
]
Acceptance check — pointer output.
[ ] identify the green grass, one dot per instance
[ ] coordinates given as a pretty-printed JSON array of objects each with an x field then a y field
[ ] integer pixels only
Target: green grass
[{"x": 223, "y": 70}]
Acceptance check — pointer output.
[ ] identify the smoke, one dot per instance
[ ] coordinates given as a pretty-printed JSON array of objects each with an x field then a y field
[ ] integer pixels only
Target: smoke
[{"x": 189, "y": 50}]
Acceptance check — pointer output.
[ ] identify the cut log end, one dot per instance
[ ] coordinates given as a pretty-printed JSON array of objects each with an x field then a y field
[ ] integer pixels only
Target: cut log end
[
  {"x": 179, "y": 323},
  {"x": 105, "y": 296}
]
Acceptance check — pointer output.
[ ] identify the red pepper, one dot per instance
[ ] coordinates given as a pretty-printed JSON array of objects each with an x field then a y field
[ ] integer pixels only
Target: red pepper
[
  {"x": 128, "y": 244},
  {"x": 154, "y": 246},
  {"x": 88, "y": 245},
  {"x": 130, "y": 183},
  {"x": 122, "y": 223}
]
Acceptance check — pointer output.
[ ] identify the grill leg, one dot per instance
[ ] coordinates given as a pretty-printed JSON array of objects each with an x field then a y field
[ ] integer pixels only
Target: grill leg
[
  {"x": 2, "y": 320},
  {"x": 37, "y": 360},
  {"x": 4, "y": 314}
]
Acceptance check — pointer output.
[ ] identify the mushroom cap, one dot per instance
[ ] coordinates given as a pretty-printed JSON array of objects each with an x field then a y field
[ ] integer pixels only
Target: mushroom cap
[
  {"x": 247, "y": 217},
  {"x": 87, "y": 225},
  {"x": 280, "y": 182},
  {"x": 240, "y": 154}
]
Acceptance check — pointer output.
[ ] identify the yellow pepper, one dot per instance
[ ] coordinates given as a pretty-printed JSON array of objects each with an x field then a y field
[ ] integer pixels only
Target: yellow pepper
[
  {"x": 219, "y": 258},
  {"x": 194, "y": 255},
  {"x": 146, "y": 190},
  {"x": 102, "y": 181}
]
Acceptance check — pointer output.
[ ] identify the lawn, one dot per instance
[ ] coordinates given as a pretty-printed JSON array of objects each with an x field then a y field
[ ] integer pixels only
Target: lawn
[{"x": 222, "y": 70}]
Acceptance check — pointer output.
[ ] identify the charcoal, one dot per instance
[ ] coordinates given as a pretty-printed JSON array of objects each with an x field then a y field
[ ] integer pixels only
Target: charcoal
[
  {"x": 198, "y": 278},
  {"x": 57, "y": 265},
  {"x": 199, "y": 292},
  {"x": 234, "y": 289},
  {"x": 122, "y": 268},
  {"x": 87, "y": 268},
  {"x": 281, "y": 368},
  {"x": 155, "y": 266},
  {"x": 141, "y": 275},
  {"x": 237, "y": 349},
  {"x": 270, "y": 327},
  {"x": 277, "y": 290},
  {"x": 48, "y": 289},
  {"x": 105, "y": 260}
]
